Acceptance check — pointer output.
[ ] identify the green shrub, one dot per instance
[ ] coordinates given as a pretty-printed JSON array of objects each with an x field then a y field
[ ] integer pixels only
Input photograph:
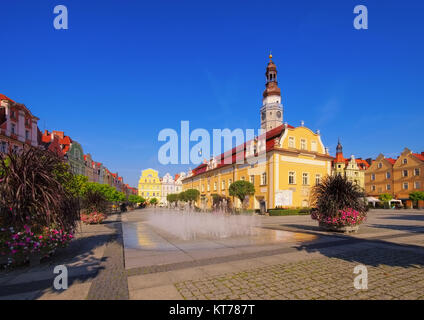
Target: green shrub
[{"x": 289, "y": 212}]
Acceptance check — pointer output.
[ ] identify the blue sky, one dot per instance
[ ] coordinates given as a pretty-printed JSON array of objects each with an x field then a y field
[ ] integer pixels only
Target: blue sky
[{"x": 125, "y": 69}]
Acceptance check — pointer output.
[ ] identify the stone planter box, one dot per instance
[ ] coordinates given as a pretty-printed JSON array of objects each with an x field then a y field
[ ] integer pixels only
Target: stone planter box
[{"x": 343, "y": 229}]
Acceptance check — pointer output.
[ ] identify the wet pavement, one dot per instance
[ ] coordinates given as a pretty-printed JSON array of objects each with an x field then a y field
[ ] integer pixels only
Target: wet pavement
[{"x": 145, "y": 245}]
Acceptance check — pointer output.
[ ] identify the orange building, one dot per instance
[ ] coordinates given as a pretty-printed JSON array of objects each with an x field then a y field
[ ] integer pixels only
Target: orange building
[
  {"x": 398, "y": 177},
  {"x": 408, "y": 174}
]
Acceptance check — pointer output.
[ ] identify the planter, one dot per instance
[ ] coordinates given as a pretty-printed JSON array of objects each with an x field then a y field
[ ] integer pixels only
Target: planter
[
  {"x": 409, "y": 204},
  {"x": 420, "y": 204},
  {"x": 34, "y": 259},
  {"x": 343, "y": 229},
  {"x": 3, "y": 260}
]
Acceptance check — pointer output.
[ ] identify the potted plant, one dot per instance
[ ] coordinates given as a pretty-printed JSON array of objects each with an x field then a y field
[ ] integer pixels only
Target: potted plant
[
  {"x": 339, "y": 205},
  {"x": 38, "y": 212}
]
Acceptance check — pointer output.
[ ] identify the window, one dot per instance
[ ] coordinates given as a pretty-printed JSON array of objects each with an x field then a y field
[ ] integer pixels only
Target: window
[
  {"x": 305, "y": 179},
  {"x": 404, "y": 173},
  {"x": 405, "y": 161},
  {"x": 252, "y": 179},
  {"x": 313, "y": 146},
  {"x": 215, "y": 186},
  {"x": 417, "y": 171},
  {"x": 263, "y": 180},
  {"x": 388, "y": 187},
  {"x": 303, "y": 144},
  {"x": 203, "y": 188},
  {"x": 243, "y": 178},
  {"x": 372, "y": 176},
  {"x": 380, "y": 165},
  {"x": 405, "y": 186},
  {"x": 292, "y": 142},
  {"x": 417, "y": 185},
  {"x": 26, "y": 135},
  {"x": 388, "y": 175},
  {"x": 13, "y": 128},
  {"x": 230, "y": 181},
  {"x": 223, "y": 185},
  {"x": 3, "y": 147},
  {"x": 292, "y": 177},
  {"x": 372, "y": 188},
  {"x": 317, "y": 179}
]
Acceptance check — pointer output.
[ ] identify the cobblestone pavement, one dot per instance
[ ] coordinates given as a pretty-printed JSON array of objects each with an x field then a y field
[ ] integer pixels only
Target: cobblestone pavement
[
  {"x": 111, "y": 282},
  {"x": 392, "y": 274}
]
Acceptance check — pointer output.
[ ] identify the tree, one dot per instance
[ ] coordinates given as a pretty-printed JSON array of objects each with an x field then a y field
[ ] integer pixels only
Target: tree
[
  {"x": 134, "y": 199},
  {"x": 416, "y": 196},
  {"x": 153, "y": 201},
  {"x": 172, "y": 198},
  {"x": 191, "y": 195},
  {"x": 385, "y": 198},
  {"x": 182, "y": 196},
  {"x": 241, "y": 189}
]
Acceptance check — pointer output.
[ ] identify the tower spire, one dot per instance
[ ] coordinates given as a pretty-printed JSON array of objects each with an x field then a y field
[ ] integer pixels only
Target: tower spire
[{"x": 272, "y": 109}]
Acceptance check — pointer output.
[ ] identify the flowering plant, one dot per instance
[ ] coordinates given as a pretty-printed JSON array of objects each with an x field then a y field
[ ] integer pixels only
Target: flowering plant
[
  {"x": 93, "y": 217},
  {"x": 19, "y": 245},
  {"x": 346, "y": 217}
]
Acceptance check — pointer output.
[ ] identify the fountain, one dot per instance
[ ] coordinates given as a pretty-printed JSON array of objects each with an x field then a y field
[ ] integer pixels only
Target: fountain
[{"x": 189, "y": 225}]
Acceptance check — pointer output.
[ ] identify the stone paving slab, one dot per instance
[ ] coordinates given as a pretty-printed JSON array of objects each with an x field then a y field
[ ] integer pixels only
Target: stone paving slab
[{"x": 393, "y": 274}]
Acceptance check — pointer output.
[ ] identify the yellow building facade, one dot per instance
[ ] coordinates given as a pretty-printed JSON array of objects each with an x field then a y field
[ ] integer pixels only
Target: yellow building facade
[
  {"x": 294, "y": 160},
  {"x": 353, "y": 169},
  {"x": 149, "y": 185}
]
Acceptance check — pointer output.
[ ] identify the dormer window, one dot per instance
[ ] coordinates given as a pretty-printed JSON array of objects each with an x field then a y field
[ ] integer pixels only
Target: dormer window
[{"x": 405, "y": 161}]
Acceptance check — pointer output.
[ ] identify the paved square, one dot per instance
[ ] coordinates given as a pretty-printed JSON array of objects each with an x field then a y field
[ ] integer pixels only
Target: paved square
[{"x": 288, "y": 258}]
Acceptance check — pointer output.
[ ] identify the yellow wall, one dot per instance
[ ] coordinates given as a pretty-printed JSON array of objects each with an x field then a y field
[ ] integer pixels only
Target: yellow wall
[
  {"x": 149, "y": 185},
  {"x": 299, "y": 157}
]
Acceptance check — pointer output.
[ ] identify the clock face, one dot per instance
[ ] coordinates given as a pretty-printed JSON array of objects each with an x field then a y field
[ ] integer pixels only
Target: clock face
[
  {"x": 263, "y": 115},
  {"x": 278, "y": 114}
]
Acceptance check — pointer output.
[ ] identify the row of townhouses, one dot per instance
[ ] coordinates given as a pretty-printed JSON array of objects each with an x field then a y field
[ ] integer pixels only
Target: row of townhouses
[
  {"x": 151, "y": 185},
  {"x": 19, "y": 127}
]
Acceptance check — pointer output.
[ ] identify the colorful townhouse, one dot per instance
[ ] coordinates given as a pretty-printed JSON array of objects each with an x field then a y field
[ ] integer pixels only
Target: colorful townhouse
[
  {"x": 398, "y": 177},
  {"x": 295, "y": 159},
  {"x": 18, "y": 126},
  {"x": 167, "y": 187},
  {"x": 149, "y": 185}
]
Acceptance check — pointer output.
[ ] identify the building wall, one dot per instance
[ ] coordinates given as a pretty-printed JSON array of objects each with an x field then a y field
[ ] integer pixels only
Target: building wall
[
  {"x": 75, "y": 156},
  {"x": 149, "y": 185},
  {"x": 17, "y": 126},
  {"x": 379, "y": 177},
  {"x": 271, "y": 176},
  {"x": 408, "y": 177}
]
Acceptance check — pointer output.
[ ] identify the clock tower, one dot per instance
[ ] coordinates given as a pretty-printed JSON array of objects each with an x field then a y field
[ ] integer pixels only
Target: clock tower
[{"x": 272, "y": 108}]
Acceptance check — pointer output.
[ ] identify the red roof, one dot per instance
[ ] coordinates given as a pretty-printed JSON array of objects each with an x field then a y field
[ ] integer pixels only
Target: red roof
[
  {"x": 222, "y": 159},
  {"x": 419, "y": 156},
  {"x": 3, "y": 97},
  {"x": 391, "y": 160}
]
